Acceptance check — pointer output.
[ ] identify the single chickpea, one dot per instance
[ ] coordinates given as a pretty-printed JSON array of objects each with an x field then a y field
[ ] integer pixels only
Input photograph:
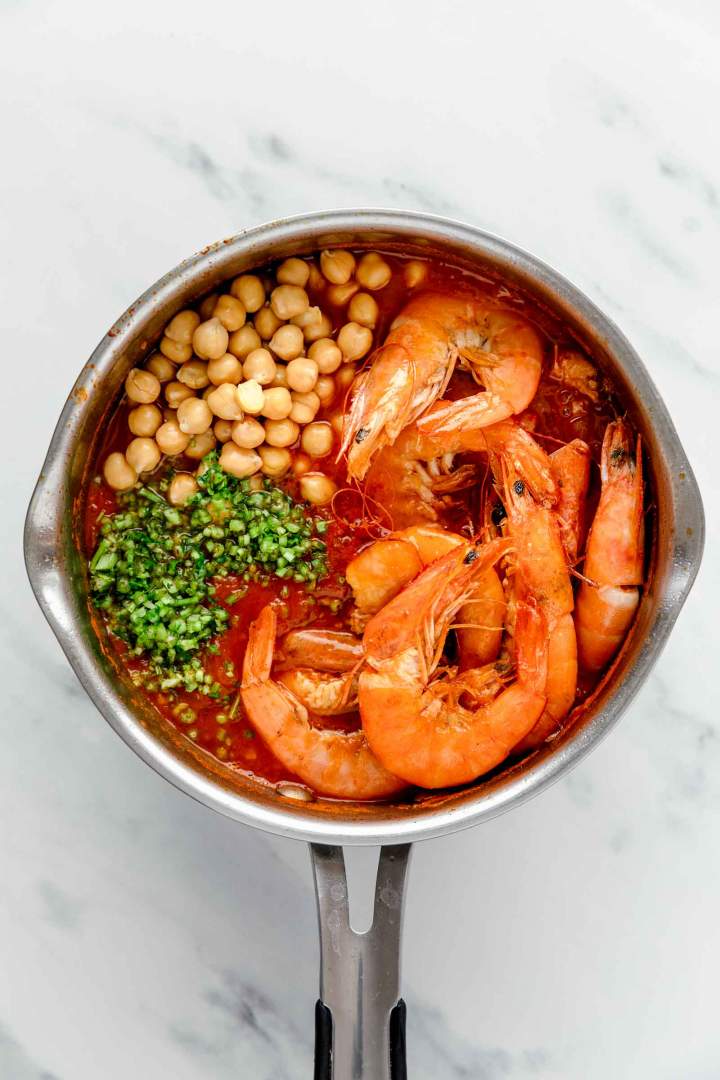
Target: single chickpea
[
  {"x": 316, "y": 280},
  {"x": 276, "y": 460},
  {"x": 194, "y": 416},
  {"x": 248, "y": 433},
  {"x": 224, "y": 401},
  {"x": 277, "y": 403},
  {"x": 249, "y": 290},
  {"x": 175, "y": 351},
  {"x": 373, "y": 272},
  {"x": 317, "y": 488},
  {"x": 118, "y": 473},
  {"x": 281, "y": 432},
  {"x": 207, "y": 306},
  {"x": 231, "y": 313},
  {"x": 175, "y": 392},
  {"x": 337, "y": 266},
  {"x": 170, "y": 438},
  {"x": 322, "y": 328},
  {"x": 223, "y": 430},
  {"x": 260, "y": 366},
  {"x": 142, "y": 387},
  {"x": 340, "y": 294},
  {"x": 161, "y": 368},
  {"x": 182, "y": 487},
  {"x": 280, "y": 377},
  {"x": 182, "y": 327},
  {"x": 238, "y": 461},
  {"x": 293, "y": 272},
  {"x": 345, "y": 377},
  {"x": 364, "y": 310},
  {"x": 288, "y": 301},
  {"x": 251, "y": 397},
  {"x": 326, "y": 355},
  {"x": 243, "y": 341},
  {"x": 144, "y": 420},
  {"x": 193, "y": 374},
  {"x": 337, "y": 422},
  {"x": 210, "y": 340},
  {"x": 305, "y": 407},
  {"x": 307, "y": 317},
  {"x": 301, "y": 464},
  {"x": 287, "y": 342},
  {"x": 302, "y": 374},
  {"x": 325, "y": 390},
  {"x": 143, "y": 454},
  {"x": 317, "y": 439},
  {"x": 266, "y": 321},
  {"x": 226, "y": 368},
  {"x": 200, "y": 445},
  {"x": 414, "y": 273},
  {"x": 354, "y": 340}
]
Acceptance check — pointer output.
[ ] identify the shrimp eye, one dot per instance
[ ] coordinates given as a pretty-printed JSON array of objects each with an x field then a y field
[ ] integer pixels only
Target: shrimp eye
[
  {"x": 362, "y": 434},
  {"x": 498, "y": 514},
  {"x": 519, "y": 487},
  {"x": 471, "y": 556}
]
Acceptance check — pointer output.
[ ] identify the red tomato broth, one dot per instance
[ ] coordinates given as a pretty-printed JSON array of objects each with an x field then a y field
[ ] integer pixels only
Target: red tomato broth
[{"x": 557, "y": 414}]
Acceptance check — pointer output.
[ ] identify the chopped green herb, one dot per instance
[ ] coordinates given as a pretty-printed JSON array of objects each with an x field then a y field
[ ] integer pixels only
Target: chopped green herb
[{"x": 152, "y": 571}]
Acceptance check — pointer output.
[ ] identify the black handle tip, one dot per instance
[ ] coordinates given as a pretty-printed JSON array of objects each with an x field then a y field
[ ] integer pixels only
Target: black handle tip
[{"x": 323, "y": 1042}]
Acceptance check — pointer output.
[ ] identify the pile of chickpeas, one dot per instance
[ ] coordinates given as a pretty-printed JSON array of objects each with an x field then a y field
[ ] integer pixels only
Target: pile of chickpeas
[{"x": 250, "y": 370}]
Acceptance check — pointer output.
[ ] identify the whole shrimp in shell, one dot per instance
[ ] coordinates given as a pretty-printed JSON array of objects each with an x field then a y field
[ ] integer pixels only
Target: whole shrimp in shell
[
  {"x": 438, "y": 731},
  {"x": 412, "y": 370},
  {"x": 334, "y": 763},
  {"x": 613, "y": 569},
  {"x": 542, "y": 575},
  {"x": 384, "y": 568}
]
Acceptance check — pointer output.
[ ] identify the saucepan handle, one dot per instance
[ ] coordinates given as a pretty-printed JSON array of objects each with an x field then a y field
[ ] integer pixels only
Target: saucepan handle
[{"x": 360, "y": 1017}]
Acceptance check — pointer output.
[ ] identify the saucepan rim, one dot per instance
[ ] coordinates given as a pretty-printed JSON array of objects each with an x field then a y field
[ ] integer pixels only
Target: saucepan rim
[{"x": 47, "y": 512}]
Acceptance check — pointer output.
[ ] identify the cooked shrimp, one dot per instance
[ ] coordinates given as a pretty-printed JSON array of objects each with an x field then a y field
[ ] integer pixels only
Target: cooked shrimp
[
  {"x": 572, "y": 368},
  {"x": 571, "y": 470},
  {"x": 414, "y": 366},
  {"x": 332, "y": 762},
  {"x": 504, "y": 354},
  {"x": 479, "y": 622},
  {"x": 615, "y": 551},
  {"x": 542, "y": 574},
  {"x": 438, "y": 732},
  {"x": 383, "y": 569}
]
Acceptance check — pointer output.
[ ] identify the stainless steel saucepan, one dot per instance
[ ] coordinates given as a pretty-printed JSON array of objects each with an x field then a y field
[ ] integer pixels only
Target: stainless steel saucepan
[{"x": 360, "y": 1015}]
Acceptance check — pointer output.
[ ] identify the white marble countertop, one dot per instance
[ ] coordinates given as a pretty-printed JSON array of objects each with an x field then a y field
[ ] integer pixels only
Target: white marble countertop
[{"x": 575, "y": 939}]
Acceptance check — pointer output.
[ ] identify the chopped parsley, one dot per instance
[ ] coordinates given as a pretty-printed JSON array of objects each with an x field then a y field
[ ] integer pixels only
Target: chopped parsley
[{"x": 153, "y": 569}]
